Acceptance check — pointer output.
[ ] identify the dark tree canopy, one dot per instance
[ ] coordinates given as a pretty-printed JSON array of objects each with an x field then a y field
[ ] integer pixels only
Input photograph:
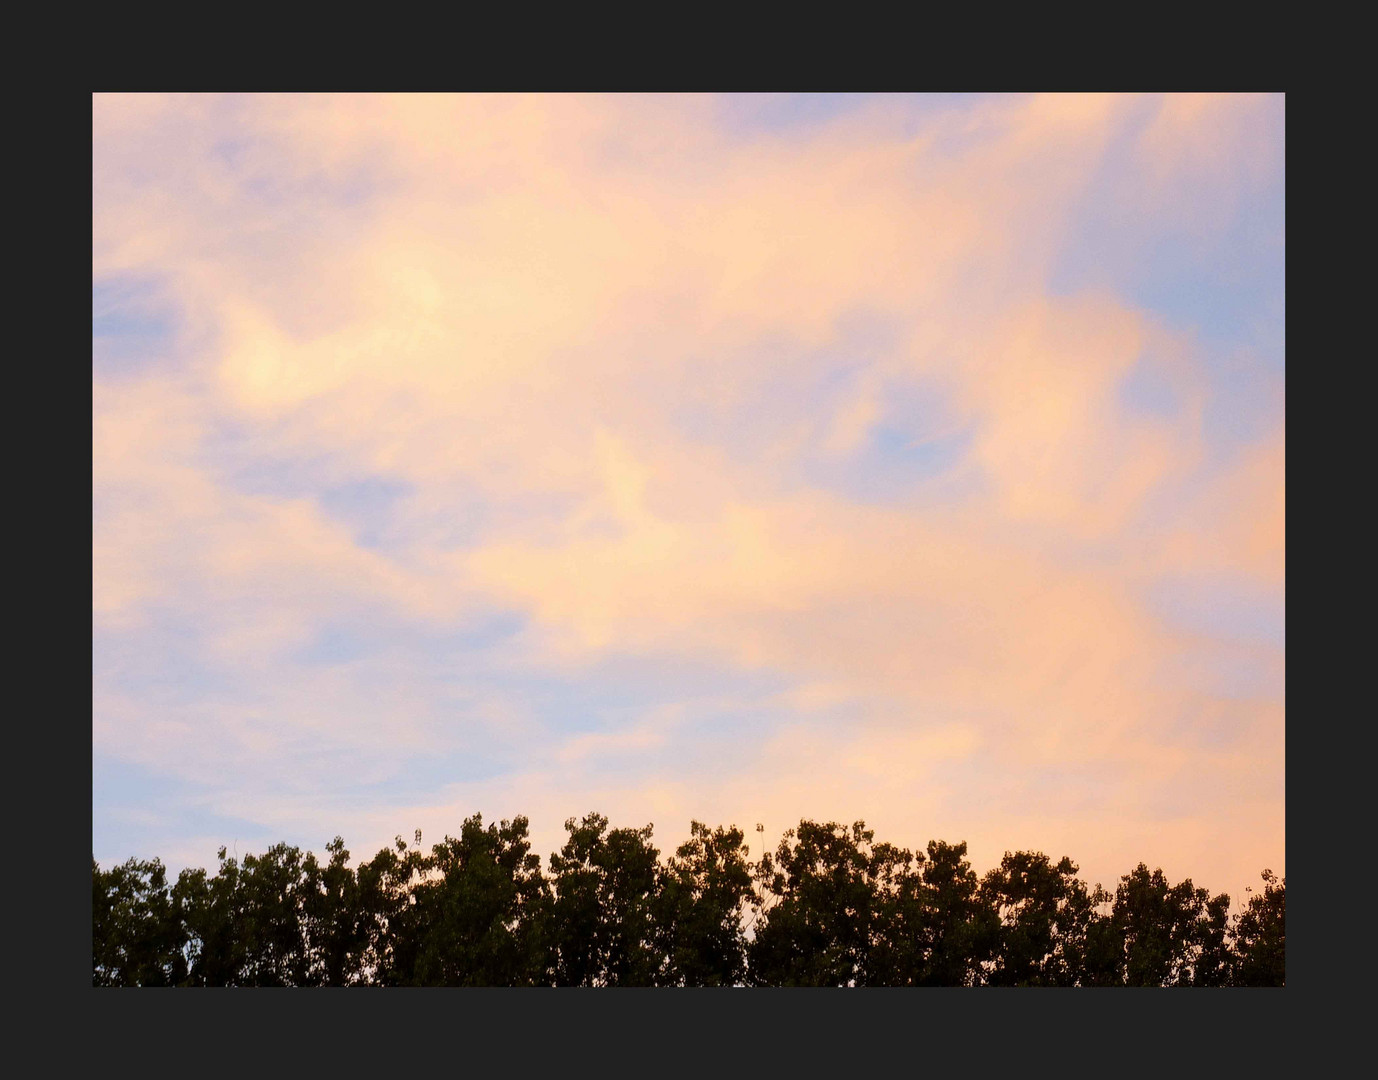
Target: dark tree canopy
[
  {"x": 830, "y": 907},
  {"x": 475, "y": 913},
  {"x": 702, "y": 895},
  {"x": 1173, "y": 935},
  {"x": 602, "y": 931},
  {"x": 1049, "y": 931},
  {"x": 1260, "y": 941},
  {"x": 137, "y": 927},
  {"x": 821, "y": 903}
]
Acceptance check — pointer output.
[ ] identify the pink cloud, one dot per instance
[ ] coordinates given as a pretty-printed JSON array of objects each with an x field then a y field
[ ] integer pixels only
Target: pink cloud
[{"x": 520, "y": 296}]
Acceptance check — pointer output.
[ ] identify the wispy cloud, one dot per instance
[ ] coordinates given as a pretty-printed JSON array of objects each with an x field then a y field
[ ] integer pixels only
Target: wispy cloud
[{"x": 678, "y": 458}]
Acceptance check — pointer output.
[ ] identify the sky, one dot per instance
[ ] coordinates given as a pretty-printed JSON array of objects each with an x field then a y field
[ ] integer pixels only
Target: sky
[{"x": 912, "y": 459}]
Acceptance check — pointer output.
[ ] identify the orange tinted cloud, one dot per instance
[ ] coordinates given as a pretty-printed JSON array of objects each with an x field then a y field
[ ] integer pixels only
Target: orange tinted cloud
[{"x": 616, "y": 338}]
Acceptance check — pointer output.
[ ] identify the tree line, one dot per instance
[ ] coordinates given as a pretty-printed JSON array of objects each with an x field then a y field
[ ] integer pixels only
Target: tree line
[{"x": 830, "y": 907}]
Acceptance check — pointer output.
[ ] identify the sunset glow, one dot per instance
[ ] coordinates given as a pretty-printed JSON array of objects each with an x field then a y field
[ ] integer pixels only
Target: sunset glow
[{"x": 917, "y": 459}]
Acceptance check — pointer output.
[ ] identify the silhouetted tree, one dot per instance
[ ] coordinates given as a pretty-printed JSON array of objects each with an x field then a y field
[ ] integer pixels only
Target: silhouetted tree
[
  {"x": 960, "y": 930},
  {"x": 700, "y": 899},
  {"x": 272, "y": 894},
  {"x": 245, "y": 925},
  {"x": 821, "y": 907},
  {"x": 388, "y": 916},
  {"x": 137, "y": 935},
  {"x": 1173, "y": 935},
  {"x": 1259, "y": 937},
  {"x": 830, "y": 907},
  {"x": 335, "y": 930},
  {"x": 601, "y": 922},
  {"x": 478, "y": 909},
  {"x": 216, "y": 944},
  {"x": 1046, "y": 919}
]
